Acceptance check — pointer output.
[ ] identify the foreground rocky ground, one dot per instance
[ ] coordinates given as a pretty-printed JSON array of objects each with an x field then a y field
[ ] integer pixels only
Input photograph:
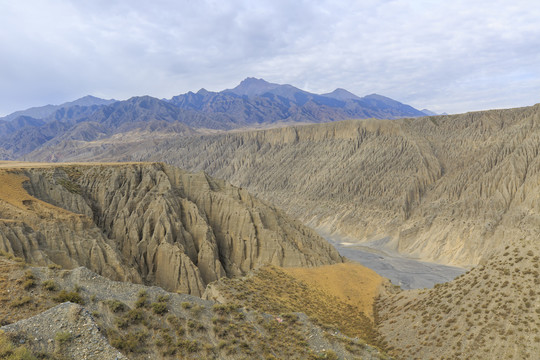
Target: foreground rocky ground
[{"x": 141, "y": 322}]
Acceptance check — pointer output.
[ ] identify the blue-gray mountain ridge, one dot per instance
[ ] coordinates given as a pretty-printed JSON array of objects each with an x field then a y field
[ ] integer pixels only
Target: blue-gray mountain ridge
[{"x": 253, "y": 103}]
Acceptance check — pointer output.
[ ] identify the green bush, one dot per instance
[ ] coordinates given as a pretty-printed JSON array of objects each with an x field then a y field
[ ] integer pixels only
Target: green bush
[
  {"x": 142, "y": 300},
  {"x": 72, "y": 296},
  {"x": 62, "y": 337},
  {"x": 21, "y": 301},
  {"x": 49, "y": 285},
  {"x": 163, "y": 298},
  {"x": 28, "y": 284},
  {"x": 132, "y": 342},
  {"x": 185, "y": 305},
  {"x": 135, "y": 316},
  {"x": 116, "y": 306},
  {"x": 10, "y": 352},
  {"x": 159, "y": 308}
]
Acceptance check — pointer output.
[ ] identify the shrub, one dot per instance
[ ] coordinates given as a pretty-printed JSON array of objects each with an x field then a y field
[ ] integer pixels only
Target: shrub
[
  {"x": 62, "y": 337},
  {"x": 30, "y": 280},
  {"x": 28, "y": 284},
  {"x": 132, "y": 317},
  {"x": 196, "y": 310},
  {"x": 49, "y": 285},
  {"x": 21, "y": 301},
  {"x": 141, "y": 301},
  {"x": 159, "y": 308},
  {"x": 135, "y": 316},
  {"x": 72, "y": 296},
  {"x": 121, "y": 322},
  {"x": 163, "y": 298},
  {"x": 188, "y": 345},
  {"x": 132, "y": 342},
  {"x": 9, "y": 351},
  {"x": 186, "y": 305},
  {"x": 223, "y": 309},
  {"x": 116, "y": 306}
]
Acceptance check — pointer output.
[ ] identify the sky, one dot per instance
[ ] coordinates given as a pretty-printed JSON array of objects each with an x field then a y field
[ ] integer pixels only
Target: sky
[{"x": 446, "y": 56}]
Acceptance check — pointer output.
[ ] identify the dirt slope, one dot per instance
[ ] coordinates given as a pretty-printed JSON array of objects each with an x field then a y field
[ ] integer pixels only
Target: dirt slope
[{"x": 491, "y": 312}]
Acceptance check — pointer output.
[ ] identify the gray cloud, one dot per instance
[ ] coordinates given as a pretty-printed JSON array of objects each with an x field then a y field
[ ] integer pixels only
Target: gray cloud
[{"x": 447, "y": 56}]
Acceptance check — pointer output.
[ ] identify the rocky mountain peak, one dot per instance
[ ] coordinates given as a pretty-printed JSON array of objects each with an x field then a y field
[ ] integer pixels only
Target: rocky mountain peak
[
  {"x": 252, "y": 87},
  {"x": 341, "y": 94}
]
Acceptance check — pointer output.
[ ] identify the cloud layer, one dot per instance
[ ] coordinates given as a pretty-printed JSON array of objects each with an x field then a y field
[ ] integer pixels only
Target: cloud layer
[{"x": 446, "y": 56}]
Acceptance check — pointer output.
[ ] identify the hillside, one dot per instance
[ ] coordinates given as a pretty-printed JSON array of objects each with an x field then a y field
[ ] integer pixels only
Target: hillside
[
  {"x": 491, "y": 312},
  {"x": 447, "y": 188},
  {"x": 112, "y": 320},
  {"x": 279, "y": 291},
  {"x": 148, "y": 223}
]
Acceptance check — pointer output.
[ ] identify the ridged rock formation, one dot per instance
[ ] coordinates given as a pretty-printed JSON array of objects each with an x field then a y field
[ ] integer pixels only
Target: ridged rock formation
[
  {"x": 447, "y": 188},
  {"x": 443, "y": 188},
  {"x": 149, "y": 223}
]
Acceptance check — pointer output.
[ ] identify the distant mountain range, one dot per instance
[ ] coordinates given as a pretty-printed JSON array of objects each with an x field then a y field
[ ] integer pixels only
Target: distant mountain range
[
  {"x": 256, "y": 101},
  {"x": 47, "y": 110},
  {"x": 253, "y": 103}
]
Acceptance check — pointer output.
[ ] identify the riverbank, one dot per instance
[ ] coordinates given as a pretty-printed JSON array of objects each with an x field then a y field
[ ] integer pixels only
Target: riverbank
[{"x": 405, "y": 272}]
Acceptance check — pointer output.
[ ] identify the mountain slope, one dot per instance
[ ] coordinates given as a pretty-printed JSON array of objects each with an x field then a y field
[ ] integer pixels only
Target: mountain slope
[
  {"x": 278, "y": 291},
  {"x": 148, "y": 223},
  {"x": 83, "y": 123},
  {"x": 255, "y": 102}
]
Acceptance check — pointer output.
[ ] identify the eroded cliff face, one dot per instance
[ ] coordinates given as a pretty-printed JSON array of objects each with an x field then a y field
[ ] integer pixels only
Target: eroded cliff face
[
  {"x": 150, "y": 223},
  {"x": 448, "y": 189}
]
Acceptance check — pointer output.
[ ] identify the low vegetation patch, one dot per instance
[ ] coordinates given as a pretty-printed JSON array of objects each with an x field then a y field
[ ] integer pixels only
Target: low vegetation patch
[
  {"x": 72, "y": 296},
  {"x": 49, "y": 285},
  {"x": 10, "y": 351},
  {"x": 273, "y": 291},
  {"x": 63, "y": 337},
  {"x": 116, "y": 306}
]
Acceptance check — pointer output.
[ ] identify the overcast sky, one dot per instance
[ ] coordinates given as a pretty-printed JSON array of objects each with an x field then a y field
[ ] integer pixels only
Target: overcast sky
[{"x": 447, "y": 56}]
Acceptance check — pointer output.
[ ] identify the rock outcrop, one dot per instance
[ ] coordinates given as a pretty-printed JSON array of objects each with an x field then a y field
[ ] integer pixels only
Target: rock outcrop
[
  {"x": 68, "y": 329},
  {"x": 149, "y": 223}
]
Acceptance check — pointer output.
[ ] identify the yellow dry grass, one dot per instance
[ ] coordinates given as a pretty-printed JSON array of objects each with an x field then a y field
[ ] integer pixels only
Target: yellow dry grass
[
  {"x": 11, "y": 189},
  {"x": 13, "y": 193},
  {"x": 352, "y": 283},
  {"x": 271, "y": 290}
]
